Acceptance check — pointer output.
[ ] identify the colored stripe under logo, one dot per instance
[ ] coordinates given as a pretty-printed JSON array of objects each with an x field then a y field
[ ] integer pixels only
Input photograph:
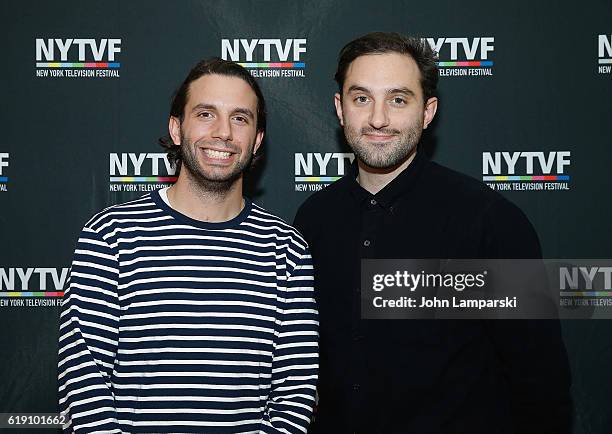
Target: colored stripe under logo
[
  {"x": 586, "y": 293},
  {"x": 317, "y": 178},
  {"x": 32, "y": 294},
  {"x": 605, "y": 61},
  {"x": 143, "y": 179},
  {"x": 3, "y": 179},
  {"x": 527, "y": 178},
  {"x": 99, "y": 65},
  {"x": 468, "y": 63},
  {"x": 274, "y": 65}
]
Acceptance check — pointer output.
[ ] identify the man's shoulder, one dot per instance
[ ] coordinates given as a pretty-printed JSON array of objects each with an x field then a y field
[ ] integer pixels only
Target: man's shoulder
[
  {"x": 329, "y": 197},
  {"x": 316, "y": 211},
  {"x": 134, "y": 209},
  {"x": 495, "y": 212},
  {"x": 271, "y": 222},
  {"x": 459, "y": 185},
  {"x": 465, "y": 192}
]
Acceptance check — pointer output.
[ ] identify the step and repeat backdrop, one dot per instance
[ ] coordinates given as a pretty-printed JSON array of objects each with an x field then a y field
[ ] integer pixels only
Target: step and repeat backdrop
[{"x": 525, "y": 91}]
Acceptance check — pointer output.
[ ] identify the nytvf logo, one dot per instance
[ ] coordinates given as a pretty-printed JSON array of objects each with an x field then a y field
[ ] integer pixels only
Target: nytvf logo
[
  {"x": 80, "y": 49},
  {"x": 316, "y": 164},
  {"x": 33, "y": 279},
  {"x": 604, "y": 52},
  {"x": 462, "y": 48},
  {"x": 4, "y": 162},
  {"x": 464, "y": 56},
  {"x": 585, "y": 278},
  {"x": 134, "y": 164},
  {"x": 263, "y": 50},
  {"x": 315, "y": 170},
  {"x": 528, "y": 163}
]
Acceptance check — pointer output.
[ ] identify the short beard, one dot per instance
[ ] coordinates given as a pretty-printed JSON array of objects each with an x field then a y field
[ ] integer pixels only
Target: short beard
[
  {"x": 207, "y": 182},
  {"x": 385, "y": 155}
]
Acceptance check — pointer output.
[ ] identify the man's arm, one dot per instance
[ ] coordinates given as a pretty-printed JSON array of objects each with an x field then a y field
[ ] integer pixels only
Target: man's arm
[
  {"x": 88, "y": 338},
  {"x": 532, "y": 355},
  {"x": 295, "y": 360}
]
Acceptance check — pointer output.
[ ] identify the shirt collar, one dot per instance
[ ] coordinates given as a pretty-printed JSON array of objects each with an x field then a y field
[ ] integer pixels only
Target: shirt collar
[{"x": 400, "y": 185}]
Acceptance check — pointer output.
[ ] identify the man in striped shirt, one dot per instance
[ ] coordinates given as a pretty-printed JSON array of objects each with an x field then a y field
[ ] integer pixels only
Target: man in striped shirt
[{"x": 191, "y": 309}]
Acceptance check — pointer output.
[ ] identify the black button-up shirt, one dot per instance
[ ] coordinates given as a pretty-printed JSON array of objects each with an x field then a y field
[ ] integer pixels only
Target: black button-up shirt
[{"x": 426, "y": 376}]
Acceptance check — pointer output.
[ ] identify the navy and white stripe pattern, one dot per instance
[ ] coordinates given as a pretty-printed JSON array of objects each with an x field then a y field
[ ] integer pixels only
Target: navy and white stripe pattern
[{"x": 175, "y": 325}]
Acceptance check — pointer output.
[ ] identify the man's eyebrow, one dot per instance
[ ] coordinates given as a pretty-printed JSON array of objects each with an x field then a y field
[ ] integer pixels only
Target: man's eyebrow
[
  {"x": 202, "y": 106},
  {"x": 356, "y": 88},
  {"x": 403, "y": 90},
  {"x": 243, "y": 110}
]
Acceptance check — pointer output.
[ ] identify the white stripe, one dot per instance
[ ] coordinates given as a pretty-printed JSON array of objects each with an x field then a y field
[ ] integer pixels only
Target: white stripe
[
  {"x": 95, "y": 266},
  {"x": 198, "y": 258},
  {"x": 202, "y": 303},
  {"x": 198, "y": 315},
  {"x": 94, "y": 253},
  {"x": 236, "y": 363},
  {"x": 93, "y": 289},
  {"x": 187, "y": 247},
  {"x": 92, "y": 424},
  {"x": 90, "y": 300},
  {"x": 83, "y": 390},
  {"x": 93, "y": 277},
  {"x": 188, "y": 268},
  {"x": 224, "y": 375},
  {"x": 204, "y": 291},
  {"x": 190, "y": 423},
  {"x": 197, "y": 338},
  {"x": 197, "y": 327},
  {"x": 193, "y": 350},
  {"x": 188, "y": 398},
  {"x": 294, "y": 367},
  {"x": 74, "y": 308},
  {"x": 190, "y": 386}
]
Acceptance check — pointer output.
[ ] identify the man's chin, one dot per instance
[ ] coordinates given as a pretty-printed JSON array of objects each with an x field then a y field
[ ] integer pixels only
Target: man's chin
[
  {"x": 383, "y": 164},
  {"x": 213, "y": 180},
  {"x": 373, "y": 161}
]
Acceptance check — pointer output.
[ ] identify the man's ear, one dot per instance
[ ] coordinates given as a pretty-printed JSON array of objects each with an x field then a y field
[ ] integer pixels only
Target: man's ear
[
  {"x": 174, "y": 128},
  {"x": 431, "y": 106},
  {"x": 338, "y": 104},
  {"x": 258, "y": 141}
]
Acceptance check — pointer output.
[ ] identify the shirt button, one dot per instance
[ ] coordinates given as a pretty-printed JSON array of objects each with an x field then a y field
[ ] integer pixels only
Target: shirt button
[
  {"x": 373, "y": 202},
  {"x": 366, "y": 243}
]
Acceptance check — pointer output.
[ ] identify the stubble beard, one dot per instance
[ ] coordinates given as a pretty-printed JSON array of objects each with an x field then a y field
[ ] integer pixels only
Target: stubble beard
[
  {"x": 208, "y": 181},
  {"x": 384, "y": 155}
]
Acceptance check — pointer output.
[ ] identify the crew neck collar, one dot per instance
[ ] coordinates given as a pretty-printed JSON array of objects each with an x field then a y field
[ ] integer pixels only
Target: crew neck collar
[{"x": 236, "y": 221}]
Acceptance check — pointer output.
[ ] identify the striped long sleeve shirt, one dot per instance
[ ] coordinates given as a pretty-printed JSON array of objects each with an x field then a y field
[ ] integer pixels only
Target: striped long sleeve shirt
[{"x": 175, "y": 325}]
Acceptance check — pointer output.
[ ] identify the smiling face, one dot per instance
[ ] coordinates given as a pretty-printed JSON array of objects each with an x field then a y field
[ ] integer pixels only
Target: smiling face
[
  {"x": 382, "y": 109},
  {"x": 218, "y": 134}
]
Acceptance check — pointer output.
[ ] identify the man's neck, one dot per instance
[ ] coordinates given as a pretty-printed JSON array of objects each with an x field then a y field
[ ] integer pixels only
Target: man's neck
[
  {"x": 193, "y": 200},
  {"x": 374, "y": 180}
]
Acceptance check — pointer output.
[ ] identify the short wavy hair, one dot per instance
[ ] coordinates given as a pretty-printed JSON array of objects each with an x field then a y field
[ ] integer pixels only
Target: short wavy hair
[{"x": 389, "y": 42}]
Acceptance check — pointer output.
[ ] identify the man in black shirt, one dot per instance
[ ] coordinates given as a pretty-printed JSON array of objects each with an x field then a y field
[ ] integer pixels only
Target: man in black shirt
[{"x": 418, "y": 376}]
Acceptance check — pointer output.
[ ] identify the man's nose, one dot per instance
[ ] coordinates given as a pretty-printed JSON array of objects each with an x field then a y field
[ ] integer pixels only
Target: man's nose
[
  {"x": 222, "y": 129},
  {"x": 379, "y": 118}
]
